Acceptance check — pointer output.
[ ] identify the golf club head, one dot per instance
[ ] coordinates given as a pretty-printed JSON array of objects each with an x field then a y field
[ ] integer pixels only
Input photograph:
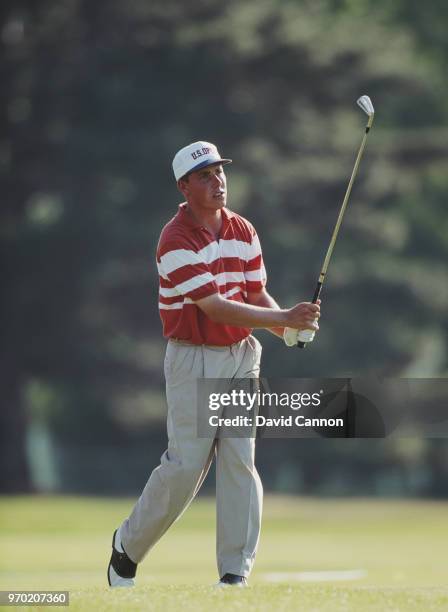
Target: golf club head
[{"x": 366, "y": 104}]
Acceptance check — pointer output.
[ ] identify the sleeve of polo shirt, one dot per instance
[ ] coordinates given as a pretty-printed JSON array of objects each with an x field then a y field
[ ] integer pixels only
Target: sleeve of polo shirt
[
  {"x": 255, "y": 272},
  {"x": 189, "y": 274}
]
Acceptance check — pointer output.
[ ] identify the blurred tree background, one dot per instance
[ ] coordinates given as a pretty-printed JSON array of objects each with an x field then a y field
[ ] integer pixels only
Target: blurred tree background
[{"x": 96, "y": 98}]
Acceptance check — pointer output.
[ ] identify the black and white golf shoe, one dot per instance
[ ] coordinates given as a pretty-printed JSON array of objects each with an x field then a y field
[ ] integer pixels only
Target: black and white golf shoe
[
  {"x": 232, "y": 580},
  {"x": 121, "y": 570}
]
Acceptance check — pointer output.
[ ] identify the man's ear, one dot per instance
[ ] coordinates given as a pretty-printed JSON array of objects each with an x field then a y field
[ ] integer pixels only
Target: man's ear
[{"x": 182, "y": 185}]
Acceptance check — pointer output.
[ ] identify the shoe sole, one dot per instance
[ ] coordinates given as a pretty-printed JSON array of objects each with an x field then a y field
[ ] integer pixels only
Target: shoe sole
[{"x": 108, "y": 567}]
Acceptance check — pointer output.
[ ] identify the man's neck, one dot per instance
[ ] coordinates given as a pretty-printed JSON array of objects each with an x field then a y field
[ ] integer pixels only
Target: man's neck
[{"x": 211, "y": 220}]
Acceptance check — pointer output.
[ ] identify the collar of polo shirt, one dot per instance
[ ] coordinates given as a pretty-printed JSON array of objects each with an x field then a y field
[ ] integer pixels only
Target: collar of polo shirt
[{"x": 192, "y": 223}]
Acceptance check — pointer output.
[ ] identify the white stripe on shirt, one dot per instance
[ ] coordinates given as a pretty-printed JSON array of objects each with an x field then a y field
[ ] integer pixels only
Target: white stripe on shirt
[
  {"x": 221, "y": 279},
  {"x": 229, "y": 277},
  {"x": 255, "y": 275},
  {"x": 183, "y": 257},
  {"x": 179, "y": 305},
  {"x": 195, "y": 282},
  {"x": 168, "y": 292},
  {"x": 178, "y": 258}
]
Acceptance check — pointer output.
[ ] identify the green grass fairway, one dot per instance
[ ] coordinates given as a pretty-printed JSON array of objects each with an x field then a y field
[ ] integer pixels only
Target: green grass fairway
[{"x": 399, "y": 549}]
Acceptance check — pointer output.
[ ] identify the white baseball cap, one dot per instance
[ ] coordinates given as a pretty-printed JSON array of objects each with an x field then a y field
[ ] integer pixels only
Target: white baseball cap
[{"x": 194, "y": 156}]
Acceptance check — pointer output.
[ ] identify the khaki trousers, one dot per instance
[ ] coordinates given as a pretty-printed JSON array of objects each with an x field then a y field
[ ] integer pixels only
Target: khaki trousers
[{"x": 184, "y": 465}]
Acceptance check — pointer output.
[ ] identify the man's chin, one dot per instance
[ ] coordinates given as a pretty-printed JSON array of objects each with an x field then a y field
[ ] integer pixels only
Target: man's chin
[{"x": 219, "y": 203}]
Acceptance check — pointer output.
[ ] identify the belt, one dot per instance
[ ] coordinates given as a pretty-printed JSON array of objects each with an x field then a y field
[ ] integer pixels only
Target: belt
[{"x": 215, "y": 346}]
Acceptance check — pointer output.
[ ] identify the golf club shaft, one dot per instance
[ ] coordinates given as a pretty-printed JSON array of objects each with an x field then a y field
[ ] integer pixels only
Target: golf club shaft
[{"x": 323, "y": 272}]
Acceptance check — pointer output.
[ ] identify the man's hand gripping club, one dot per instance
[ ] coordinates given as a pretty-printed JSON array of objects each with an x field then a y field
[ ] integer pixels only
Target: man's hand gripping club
[{"x": 294, "y": 334}]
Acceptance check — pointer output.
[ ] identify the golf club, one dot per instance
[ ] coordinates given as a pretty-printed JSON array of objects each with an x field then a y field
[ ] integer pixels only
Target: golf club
[{"x": 365, "y": 103}]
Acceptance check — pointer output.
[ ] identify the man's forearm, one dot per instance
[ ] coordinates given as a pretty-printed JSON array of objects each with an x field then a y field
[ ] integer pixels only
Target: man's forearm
[
  {"x": 266, "y": 300},
  {"x": 227, "y": 312},
  {"x": 239, "y": 314}
]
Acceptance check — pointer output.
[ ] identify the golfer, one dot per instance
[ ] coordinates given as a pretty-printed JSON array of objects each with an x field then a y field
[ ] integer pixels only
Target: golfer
[{"x": 212, "y": 294}]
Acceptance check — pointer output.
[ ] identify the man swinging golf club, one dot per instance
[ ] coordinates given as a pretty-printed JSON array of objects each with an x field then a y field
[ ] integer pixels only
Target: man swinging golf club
[{"x": 212, "y": 293}]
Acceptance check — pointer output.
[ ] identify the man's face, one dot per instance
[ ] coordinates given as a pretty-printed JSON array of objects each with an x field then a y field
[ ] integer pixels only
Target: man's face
[{"x": 206, "y": 188}]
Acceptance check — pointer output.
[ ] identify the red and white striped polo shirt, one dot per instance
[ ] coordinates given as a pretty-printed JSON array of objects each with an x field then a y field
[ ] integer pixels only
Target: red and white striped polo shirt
[{"x": 192, "y": 264}]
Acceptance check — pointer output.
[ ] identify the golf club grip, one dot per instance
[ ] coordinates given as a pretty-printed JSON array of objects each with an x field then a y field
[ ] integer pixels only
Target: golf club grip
[{"x": 314, "y": 300}]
